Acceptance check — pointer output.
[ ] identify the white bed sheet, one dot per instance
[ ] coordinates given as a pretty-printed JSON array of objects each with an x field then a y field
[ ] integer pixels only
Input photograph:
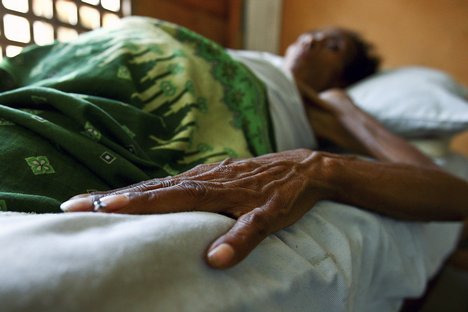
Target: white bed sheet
[{"x": 337, "y": 258}]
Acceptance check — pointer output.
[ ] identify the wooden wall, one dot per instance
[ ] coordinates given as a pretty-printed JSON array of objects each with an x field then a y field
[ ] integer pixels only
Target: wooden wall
[
  {"x": 425, "y": 32},
  {"x": 219, "y": 20}
]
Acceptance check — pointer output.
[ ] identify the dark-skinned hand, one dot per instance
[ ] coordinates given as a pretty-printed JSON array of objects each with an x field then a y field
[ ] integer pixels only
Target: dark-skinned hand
[{"x": 264, "y": 194}]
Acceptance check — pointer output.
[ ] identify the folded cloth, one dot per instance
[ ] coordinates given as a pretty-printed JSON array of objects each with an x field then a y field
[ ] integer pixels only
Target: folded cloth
[
  {"x": 117, "y": 106},
  {"x": 336, "y": 258}
]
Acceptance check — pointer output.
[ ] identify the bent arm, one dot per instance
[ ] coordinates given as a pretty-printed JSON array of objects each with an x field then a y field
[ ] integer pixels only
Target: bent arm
[
  {"x": 368, "y": 134},
  {"x": 374, "y": 137}
]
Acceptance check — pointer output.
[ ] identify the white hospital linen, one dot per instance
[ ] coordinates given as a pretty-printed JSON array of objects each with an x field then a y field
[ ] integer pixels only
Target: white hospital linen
[
  {"x": 290, "y": 123},
  {"x": 337, "y": 258}
]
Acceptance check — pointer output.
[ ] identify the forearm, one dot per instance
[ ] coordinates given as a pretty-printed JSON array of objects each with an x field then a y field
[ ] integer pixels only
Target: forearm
[
  {"x": 358, "y": 130},
  {"x": 397, "y": 190},
  {"x": 381, "y": 143}
]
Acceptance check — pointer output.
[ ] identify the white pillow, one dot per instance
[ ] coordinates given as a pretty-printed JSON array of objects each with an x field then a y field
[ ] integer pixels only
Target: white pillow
[{"x": 414, "y": 101}]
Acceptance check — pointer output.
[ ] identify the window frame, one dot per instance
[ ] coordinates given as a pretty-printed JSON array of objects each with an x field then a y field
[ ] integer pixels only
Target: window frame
[{"x": 125, "y": 10}]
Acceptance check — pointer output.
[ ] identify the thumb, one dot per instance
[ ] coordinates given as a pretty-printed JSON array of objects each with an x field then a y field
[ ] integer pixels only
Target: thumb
[{"x": 231, "y": 248}]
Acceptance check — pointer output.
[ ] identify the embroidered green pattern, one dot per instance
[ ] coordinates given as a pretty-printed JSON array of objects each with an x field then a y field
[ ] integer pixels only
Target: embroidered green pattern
[
  {"x": 175, "y": 68},
  {"x": 168, "y": 88},
  {"x": 140, "y": 100},
  {"x": 92, "y": 132},
  {"x": 40, "y": 165},
  {"x": 108, "y": 158},
  {"x": 124, "y": 73}
]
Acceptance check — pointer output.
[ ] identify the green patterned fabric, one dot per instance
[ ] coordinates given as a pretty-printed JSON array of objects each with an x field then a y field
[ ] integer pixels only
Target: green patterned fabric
[{"x": 117, "y": 106}]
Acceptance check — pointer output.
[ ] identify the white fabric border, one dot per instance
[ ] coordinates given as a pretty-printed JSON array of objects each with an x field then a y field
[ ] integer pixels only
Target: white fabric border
[{"x": 290, "y": 123}]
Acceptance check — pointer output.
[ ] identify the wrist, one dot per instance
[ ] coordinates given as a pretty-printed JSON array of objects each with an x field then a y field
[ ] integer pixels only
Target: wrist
[{"x": 320, "y": 169}]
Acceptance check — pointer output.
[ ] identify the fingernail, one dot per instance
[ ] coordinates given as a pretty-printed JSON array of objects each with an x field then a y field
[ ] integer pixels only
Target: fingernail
[
  {"x": 221, "y": 256},
  {"x": 76, "y": 204},
  {"x": 114, "y": 202}
]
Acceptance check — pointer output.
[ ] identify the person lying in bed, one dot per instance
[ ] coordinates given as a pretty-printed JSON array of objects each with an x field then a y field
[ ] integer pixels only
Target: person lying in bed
[{"x": 149, "y": 101}]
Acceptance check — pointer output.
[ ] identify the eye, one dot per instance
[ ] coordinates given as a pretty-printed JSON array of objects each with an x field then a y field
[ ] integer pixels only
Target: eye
[{"x": 333, "y": 44}]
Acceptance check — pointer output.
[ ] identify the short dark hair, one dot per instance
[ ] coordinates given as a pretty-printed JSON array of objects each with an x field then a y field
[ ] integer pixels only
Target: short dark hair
[{"x": 365, "y": 61}]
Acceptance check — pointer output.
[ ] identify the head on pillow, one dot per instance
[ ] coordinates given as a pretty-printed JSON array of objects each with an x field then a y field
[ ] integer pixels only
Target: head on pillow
[{"x": 331, "y": 57}]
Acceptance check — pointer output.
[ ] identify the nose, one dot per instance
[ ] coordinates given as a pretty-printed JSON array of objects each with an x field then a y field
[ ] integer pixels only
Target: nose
[
  {"x": 312, "y": 39},
  {"x": 318, "y": 38}
]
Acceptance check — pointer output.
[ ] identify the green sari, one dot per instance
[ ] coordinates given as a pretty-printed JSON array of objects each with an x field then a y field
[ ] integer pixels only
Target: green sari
[{"x": 145, "y": 99}]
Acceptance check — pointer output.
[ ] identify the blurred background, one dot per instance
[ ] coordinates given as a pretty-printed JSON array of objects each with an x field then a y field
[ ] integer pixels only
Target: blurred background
[
  {"x": 431, "y": 33},
  {"x": 407, "y": 32}
]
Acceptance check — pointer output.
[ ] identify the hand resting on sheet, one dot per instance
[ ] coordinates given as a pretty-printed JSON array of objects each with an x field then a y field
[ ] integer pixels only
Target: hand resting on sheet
[
  {"x": 270, "y": 192},
  {"x": 264, "y": 194}
]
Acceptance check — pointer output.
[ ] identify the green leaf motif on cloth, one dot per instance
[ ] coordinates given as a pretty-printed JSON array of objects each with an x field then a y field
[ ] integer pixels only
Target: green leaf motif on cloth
[
  {"x": 232, "y": 153},
  {"x": 244, "y": 94},
  {"x": 92, "y": 132},
  {"x": 236, "y": 121},
  {"x": 203, "y": 147},
  {"x": 168, "y": 88},
  {"x": 235, "y": 96},
  {"x": 124, "y": 73},
  {"x": 40, "y": 165},
  {"x": 175, "y": 68},
  {"x": 202, "y": 105},
  {"x": 179, "y": 53},
  {"x": 108, "y": 158},
  {"x": 190, "y": 87},
  {"x": 228, "y": 71},
  {"x": 3, "y": 205}
]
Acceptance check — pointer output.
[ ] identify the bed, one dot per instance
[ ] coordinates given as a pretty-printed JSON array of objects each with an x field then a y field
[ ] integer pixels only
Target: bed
[{"x": 336, "y": 258}]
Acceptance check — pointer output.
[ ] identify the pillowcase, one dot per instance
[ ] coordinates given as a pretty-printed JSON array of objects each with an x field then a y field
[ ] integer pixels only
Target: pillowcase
[{"x": 414, "y": 101}]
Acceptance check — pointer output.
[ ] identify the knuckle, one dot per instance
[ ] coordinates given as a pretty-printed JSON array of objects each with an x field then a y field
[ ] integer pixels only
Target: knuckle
[
  {"x": 140, "y": 188},
  {"x": 198, "y": 167},
  {"x": 166, "y": 183},
  {"x": 226, "y": 162},
  {"x": 259, "y": 221},
  {"x": 202, "y": 168},
  {"x": 194, "y": 189}
]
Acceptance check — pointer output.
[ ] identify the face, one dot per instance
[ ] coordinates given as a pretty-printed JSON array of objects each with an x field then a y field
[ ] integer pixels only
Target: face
[{"x": 318, "y": 58}]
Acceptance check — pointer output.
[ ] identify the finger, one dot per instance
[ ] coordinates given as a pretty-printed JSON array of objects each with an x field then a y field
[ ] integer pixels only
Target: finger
[
  {"x": 92, "y": 202},
  {"x": 85, "y": 202},
  {"x": 231, "y": 248},
  {"x": 185, "y": 196}
]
